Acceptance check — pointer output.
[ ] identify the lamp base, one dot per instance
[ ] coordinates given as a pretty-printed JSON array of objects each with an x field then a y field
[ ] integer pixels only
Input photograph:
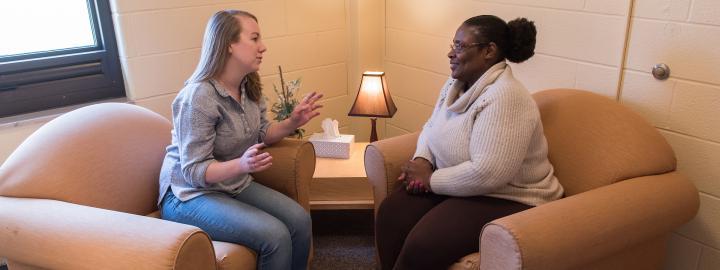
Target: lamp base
[{"x": 373, "y": 130}]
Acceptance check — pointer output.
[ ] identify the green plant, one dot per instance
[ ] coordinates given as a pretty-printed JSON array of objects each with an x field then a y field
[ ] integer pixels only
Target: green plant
[{"x": 286, "y": 103}]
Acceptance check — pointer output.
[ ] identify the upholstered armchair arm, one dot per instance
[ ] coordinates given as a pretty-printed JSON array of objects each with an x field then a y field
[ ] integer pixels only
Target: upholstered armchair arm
[
  {"x": 292, "y": 170},
  {"x": 383, "y": 160},
  {"x": 51, "y": 234},
  {"x": 589, "y": 226}
]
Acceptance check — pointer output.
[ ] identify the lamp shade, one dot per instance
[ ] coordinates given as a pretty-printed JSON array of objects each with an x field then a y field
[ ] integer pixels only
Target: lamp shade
[{"x": 373, "y": 99}]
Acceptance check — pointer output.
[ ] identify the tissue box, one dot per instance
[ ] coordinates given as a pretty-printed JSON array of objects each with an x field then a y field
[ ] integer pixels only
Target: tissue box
[{"x": 332, "y": 148}]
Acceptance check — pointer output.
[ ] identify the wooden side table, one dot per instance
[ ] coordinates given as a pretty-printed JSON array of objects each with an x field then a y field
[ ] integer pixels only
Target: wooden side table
[{"x": 341, "y": 183}]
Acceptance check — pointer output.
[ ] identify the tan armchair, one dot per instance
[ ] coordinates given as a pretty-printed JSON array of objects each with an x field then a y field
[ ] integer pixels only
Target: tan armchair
[
  {"x": 622, "y": 200},
  {"x": 80, "y": 193}
]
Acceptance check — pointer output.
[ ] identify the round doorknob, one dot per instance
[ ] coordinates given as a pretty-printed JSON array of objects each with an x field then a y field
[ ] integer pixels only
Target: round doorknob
[{"x": 661, "y": 71}]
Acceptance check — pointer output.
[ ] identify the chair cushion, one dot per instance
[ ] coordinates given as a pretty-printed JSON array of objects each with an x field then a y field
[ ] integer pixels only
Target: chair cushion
[
  {"x": 155, "y": 214},
  {"x": 594, "y": 141}
]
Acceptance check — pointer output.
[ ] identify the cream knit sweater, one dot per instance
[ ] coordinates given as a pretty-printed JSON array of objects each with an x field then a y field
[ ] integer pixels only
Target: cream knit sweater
[{"x": 489, "y": 141}]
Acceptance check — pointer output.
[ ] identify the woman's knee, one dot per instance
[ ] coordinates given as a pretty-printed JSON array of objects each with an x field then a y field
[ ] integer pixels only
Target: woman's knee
[
  {"x": 274, "y": 236},
  {"x": 421, "y": 251},
  {"x": 391, "y": 211},
  {"x": 298, "y": 220},
  {"x": 419, "y": 245},
  {"x": 388, "y": 208}
]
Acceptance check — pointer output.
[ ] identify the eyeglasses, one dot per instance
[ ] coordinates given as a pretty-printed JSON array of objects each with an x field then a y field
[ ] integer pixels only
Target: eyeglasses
[{"x": 460, "y": 47}]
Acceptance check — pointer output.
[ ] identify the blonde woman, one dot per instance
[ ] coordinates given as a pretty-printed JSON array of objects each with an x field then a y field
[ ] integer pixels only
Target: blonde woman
[{"x": 219, "y": 130}]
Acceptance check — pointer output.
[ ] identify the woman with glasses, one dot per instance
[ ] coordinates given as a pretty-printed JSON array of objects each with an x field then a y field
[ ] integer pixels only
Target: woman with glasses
[
  {"x": 482, "y": 154},
  {"x": 219, "y": 129}
]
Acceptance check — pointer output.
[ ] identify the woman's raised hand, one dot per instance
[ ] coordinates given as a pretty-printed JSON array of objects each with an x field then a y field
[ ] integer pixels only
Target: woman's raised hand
[{"x": 306, "y": 110}]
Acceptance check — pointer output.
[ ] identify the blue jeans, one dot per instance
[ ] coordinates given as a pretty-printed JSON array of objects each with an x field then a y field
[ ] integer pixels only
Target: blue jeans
[{"x": 260, "y": 218}]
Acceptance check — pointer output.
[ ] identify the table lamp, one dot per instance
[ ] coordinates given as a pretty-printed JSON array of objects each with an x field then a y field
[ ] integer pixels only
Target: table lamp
[{"x": 373, "y": 100}]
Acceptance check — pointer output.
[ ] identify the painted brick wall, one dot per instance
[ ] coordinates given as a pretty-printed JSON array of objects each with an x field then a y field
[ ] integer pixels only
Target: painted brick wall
[
  {"x": 580, "y": 45},
  {"x": 160, "y": 43},
  {"x": 684, "y": 35}
]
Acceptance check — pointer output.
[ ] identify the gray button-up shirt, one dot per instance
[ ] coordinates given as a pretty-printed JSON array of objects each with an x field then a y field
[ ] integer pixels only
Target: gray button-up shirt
[{"x": 209, "y": 125}]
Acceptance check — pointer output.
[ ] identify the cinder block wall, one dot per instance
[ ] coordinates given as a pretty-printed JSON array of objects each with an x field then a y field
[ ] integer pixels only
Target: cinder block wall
[
  {"x": 580, "y": 45},
  {"x": 160, "y": 43},
  {"x": 683, "y": 34}
]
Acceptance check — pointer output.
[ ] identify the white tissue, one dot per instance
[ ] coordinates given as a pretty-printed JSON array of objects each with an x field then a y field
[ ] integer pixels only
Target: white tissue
[{"x": 330, "y": 128}]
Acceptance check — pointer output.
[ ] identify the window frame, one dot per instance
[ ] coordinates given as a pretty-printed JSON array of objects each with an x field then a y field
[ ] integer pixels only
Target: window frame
[{"x": 46, "y": 80}]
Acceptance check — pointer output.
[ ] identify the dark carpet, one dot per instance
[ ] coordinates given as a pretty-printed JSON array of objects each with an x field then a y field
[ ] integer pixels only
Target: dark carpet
[{"x": 343, "y": 239}]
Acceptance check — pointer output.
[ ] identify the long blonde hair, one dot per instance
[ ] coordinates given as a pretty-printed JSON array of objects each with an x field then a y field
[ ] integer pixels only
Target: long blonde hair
[{"x": 221, "y": 31}]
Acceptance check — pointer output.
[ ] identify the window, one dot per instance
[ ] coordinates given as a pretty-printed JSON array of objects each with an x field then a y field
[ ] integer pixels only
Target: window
[{"x": 56, "y": 53}]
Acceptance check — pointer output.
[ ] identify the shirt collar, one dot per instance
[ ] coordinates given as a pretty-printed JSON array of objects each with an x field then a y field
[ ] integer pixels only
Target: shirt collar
[
  {"x": 223, "y": 92},
  {"x": 218, "y": 88}
]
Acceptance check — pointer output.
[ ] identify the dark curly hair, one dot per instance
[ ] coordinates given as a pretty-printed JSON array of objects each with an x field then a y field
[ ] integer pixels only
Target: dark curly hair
[{"x": 515, "y": 39}]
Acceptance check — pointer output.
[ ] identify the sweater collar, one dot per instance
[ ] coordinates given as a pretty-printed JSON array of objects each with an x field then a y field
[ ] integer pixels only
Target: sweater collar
[{"x": 460, "y": 103}]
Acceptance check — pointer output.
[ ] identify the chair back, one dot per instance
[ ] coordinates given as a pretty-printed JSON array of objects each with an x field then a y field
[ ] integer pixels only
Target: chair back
[
  {"x": 106, "y": 155},
  {"x": 594, "y": 141}
]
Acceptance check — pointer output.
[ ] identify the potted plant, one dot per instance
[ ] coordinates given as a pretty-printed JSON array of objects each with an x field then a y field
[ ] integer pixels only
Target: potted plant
[{"x": 286, "y": 101}]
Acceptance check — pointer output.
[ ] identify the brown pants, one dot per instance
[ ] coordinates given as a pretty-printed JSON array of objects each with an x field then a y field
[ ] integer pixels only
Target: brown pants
[{"x": 431, "y": 231}]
